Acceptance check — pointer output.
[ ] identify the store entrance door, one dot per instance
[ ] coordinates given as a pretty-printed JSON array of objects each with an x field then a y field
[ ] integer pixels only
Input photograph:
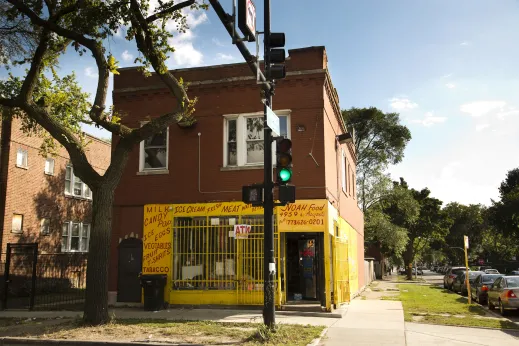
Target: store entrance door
[{"x": 303, "y": 266}]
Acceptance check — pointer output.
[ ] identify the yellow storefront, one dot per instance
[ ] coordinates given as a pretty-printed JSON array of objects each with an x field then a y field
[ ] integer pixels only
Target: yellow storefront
[{"x": 212, "y": 253}]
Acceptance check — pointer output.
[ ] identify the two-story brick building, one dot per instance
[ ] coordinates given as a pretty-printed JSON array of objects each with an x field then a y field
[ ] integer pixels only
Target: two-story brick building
[
  {"x": 41, "y": 200},
  {"x": 179, "y": 200}
]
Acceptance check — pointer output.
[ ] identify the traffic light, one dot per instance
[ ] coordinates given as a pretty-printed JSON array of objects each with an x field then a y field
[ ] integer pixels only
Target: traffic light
[
  {"x": 283, "y": 160},
  {"x": 277, "y": 56}
]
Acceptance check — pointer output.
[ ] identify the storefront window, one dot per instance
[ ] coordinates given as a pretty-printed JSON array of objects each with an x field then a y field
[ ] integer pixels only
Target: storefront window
[{"x": 204, "y": 253}]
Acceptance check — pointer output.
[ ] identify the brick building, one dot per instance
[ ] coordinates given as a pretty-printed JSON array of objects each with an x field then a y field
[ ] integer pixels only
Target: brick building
[
  {"x": 41, "y": 200},
  {"x": 181, "y": 190}
]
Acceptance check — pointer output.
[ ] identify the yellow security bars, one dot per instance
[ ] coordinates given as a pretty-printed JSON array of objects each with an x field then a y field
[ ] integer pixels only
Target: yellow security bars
[{"x": 207, "y": 255}]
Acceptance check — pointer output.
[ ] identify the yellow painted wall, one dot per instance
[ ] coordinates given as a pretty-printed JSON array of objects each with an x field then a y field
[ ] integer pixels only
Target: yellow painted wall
[
  {"x": 303, "y": 216},
  {"x": 353, "y": 271}
]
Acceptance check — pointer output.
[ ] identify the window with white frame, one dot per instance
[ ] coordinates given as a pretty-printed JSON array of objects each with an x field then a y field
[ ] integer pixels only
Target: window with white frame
[
  {"x": 74, "y": 186},
  {"x": 244, "y": 138},
  {"x": 343, "y": 170},
  {"x": 154, "y": 152},
  {"x": 75, "y": 237},
  {"x": 49, "y": 166},
  {"x": 45, "y": 226},
  {"x": 22, "y": 158},
  {"x": 17, "y": 224}
]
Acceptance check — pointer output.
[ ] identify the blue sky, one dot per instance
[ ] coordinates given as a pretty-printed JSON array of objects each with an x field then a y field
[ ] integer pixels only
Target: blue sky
[{"x": 450, "y": 68}]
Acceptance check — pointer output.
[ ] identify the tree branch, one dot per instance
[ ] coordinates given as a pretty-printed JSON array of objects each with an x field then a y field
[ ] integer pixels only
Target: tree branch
[
  {"x": 36, "y": 67},
  {"x": 167, "y": 11},
  {"x": 8, "y": 102}
]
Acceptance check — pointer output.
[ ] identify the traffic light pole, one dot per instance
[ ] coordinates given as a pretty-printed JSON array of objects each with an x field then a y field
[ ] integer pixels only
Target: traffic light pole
[{"x": 269, "y": 315}]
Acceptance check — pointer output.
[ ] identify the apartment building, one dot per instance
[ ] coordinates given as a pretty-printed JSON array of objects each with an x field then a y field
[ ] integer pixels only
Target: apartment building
[{"x": 178, "y": 208}]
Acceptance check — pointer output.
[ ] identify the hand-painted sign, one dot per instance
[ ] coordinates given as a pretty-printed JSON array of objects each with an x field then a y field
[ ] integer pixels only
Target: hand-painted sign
[
  {"x": 242, "y": 231},
  {"x": 157, "y": 237},
  {"x": 302, "y": 216}
]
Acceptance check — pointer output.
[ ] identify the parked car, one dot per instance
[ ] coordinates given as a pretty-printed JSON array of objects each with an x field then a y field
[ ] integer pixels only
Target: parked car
[
  {"x": 513, "y": 272},
  {"x": 504, "y": 294},
  {"x": 460, "y": 282},
  {"x": 491, "y": 271},
  {"x": 479, "y": 290},
  {"x": 450, "y": 275}
]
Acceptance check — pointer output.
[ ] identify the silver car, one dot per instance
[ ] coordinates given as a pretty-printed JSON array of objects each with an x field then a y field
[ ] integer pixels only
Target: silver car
[{"x": 504, "y": 294}]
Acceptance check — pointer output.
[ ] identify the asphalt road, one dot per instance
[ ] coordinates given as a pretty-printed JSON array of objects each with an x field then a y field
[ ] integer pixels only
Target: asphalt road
[{"x": 437, "y": 279}]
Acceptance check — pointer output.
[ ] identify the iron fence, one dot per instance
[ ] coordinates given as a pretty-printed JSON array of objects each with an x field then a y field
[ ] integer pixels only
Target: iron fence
[{"x": 59, "y": 281}]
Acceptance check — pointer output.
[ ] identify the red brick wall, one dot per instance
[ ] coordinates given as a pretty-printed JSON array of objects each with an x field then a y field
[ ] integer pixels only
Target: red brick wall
[
  {"x": 221, "y": 90},
  {"x": 37, "y": 195}
]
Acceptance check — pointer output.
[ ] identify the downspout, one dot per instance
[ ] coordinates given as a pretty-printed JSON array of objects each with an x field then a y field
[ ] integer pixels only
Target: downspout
[{"x": 5, "y": 147}]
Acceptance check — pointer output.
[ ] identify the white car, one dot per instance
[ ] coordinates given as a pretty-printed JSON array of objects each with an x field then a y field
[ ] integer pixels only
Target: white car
[{"x": 492, "y": 271}]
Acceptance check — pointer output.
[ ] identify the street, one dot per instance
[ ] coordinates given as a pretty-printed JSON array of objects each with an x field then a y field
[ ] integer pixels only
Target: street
[{"x": 437, "y": 279}]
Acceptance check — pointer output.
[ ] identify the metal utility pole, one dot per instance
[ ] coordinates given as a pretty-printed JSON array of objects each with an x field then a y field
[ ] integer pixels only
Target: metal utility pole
[{"x": 269, "y": 314}]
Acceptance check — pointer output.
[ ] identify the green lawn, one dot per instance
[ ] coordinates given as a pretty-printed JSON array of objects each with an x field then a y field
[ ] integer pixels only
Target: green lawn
[
  {"x": 435, "y": 305},
  {"x": 164, "y": 331}
]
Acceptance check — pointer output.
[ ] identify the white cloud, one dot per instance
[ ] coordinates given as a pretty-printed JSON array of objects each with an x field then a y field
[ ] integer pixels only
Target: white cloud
[
  {"x": 465, "y": 43},
  {"x": 506, "y": 113},
  {"x": 481, "y": 127},
  {"x": 126, "y": 56},
  {"x": 480, "y": 108},
  {"x": 217, "y": 42},
  {"x": 450, "y": 85},
  {"x": 446, "y": 76},
  {"x": 401, "y": 104},
  {"x": 429, "y": 120},
  {"x": 185, "y": 55},
  {"x": 223, "y": 56},
  {"x": 90, "y": 72}
]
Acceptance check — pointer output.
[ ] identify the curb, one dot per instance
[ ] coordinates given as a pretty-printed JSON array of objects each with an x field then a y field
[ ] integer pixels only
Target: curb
[
  {"x": 7, "y": 341},
  {"x": 317, "y": 340}
]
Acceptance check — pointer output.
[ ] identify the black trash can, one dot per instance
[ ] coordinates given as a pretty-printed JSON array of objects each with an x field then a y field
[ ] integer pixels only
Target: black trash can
[{"x": 153, "y": 286}]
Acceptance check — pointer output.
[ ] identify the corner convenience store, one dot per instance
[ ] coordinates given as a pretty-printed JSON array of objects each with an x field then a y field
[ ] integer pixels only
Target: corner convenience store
[{"x": 212, "y": 253}]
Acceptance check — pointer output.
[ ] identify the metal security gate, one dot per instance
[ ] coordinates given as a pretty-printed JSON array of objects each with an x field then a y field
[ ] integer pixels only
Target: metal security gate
[
  {"x": 341, "y": 270},
  {"x": 208, "y": 257},
  {"x": 251, "y": 263},
  {"x": 19, "y": 279}
]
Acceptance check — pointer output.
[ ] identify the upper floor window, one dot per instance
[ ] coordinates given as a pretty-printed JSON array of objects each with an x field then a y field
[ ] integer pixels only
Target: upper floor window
[
  {"x": 74, "y": 186},
  {"x": 45, "y": 226},
  {"x": 49, "y": 166},
  {"x": 17, "y": 224},
  {"x": 244, "y": 142},
  {"x": 154, "y": 152},
  {"x": 22, "y": 158},
  {"x": 75, "y": 236},
  {"x": 343, "y": 170}
]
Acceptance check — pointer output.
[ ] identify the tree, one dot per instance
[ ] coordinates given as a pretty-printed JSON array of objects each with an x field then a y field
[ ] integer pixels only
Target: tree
[
  {"x": 432, "y": 224},
  {"x": 86, "y": 25},
  {"x": 380, "y": 140},
  {"x": 465, "y": 221},
  {"x": 503, "y": 219}
]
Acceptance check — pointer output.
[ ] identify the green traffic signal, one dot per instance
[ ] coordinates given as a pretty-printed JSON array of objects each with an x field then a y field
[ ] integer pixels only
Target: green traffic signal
[{"x": 285, "y": 174}]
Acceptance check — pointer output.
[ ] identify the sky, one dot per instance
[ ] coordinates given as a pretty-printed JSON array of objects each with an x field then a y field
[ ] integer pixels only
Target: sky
[{"x": 450, "y": 68}]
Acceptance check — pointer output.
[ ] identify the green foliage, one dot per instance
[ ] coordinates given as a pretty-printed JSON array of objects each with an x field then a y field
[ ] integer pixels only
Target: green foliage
[
  {"x": 62, "y": 97},
  {"x": 380, "y": 139}
]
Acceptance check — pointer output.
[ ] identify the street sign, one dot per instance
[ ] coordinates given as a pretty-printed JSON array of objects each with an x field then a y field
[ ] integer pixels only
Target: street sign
[
  {"x": 247, "y": 19},
  {"x": 481, "y": 262},
  {"x": 273, "y": 122},
  {"x": 242, "y": 231},
  {"x": 466, "y": 240}
]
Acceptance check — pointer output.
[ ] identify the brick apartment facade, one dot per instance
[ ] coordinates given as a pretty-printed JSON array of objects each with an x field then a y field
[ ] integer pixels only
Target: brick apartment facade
[
  {"x": 211, "y": 161},
  {"x": 41, "y": 200}
]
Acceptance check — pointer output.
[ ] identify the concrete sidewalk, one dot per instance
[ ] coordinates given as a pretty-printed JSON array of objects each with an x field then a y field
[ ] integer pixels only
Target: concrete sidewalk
[
  {"x": 368, "y": 322},
  {"x": 379, "y": 322}
]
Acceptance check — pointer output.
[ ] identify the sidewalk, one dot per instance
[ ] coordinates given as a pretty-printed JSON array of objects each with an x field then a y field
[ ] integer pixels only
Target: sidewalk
[{"x": 368, "y": 322}]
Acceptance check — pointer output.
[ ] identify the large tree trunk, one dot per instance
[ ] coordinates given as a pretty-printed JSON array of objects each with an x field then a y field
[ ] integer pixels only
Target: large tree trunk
[
  {"x": 96, "y": 302},
  {"x": 408, "y": 256}
]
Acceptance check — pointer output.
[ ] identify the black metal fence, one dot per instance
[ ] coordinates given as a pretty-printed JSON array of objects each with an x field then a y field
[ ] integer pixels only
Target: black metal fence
[{"x": 57, "y": 283}]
